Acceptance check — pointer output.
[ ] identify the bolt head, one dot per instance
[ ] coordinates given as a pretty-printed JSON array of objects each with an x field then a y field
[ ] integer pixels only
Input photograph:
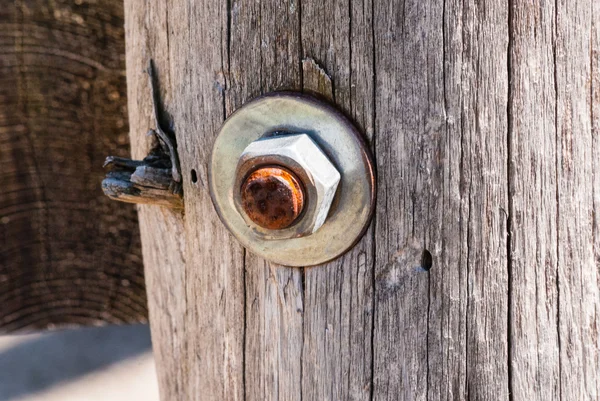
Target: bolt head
[
  {"x": 272, "y": 197},
  {"x": 301, "y": 156}
]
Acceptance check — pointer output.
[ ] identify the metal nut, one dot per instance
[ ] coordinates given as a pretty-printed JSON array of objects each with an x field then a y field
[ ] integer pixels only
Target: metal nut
[
  {"x": 299, "y": 154},
  {"x": 258, "y": 126}
]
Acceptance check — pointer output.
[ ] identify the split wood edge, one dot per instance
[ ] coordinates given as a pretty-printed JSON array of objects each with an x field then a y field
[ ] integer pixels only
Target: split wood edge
[{"x": 155, "y": 180}]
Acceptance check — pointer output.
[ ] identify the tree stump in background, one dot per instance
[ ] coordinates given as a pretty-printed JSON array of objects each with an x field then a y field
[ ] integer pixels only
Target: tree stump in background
[{"x": 68, "y": 255}]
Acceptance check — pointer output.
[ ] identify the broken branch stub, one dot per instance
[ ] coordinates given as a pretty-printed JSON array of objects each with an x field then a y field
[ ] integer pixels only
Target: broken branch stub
[{"x": 156, "y": 179}]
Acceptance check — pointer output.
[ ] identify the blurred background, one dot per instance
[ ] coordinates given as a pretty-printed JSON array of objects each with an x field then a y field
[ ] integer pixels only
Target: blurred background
[
  {"x": 70, "y": 259},
  {"x": 102, "y": 363}
]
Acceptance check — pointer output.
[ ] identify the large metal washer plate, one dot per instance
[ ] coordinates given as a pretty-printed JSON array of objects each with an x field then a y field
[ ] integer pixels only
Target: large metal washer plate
[{"x": 338, "y": 138}]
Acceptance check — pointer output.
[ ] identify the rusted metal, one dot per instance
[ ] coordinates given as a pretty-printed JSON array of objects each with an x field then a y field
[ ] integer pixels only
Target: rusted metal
[
  {"x": 339, "y": 200},
  {"x": 272, "y": 197},
  {"x": 300, "y": 155}
]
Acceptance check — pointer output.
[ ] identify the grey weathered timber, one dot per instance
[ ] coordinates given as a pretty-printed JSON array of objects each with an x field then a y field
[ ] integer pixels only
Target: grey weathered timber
[
  {"x": 264, "y": 43},
  {"x": 478, "y": 278},
  {"x": 68, "y": 255},
  {"x": 578, "y": 191},
  {"x": 441, "y": 98},
  {"x": 338, "y": 297},
  {"x": 554, "y": 198},
  {"x": 193, "y": 264},
  {"x": 533, "y": 210}
]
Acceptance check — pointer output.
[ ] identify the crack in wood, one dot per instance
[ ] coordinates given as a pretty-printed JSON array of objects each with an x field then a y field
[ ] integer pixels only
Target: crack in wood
[{"x": 154, "y": 180}]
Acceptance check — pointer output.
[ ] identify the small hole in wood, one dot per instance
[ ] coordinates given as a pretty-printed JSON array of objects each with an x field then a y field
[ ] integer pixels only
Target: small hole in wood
[
  {"x": 194, "y": 176},
  {"x": 426, "y": 260}
]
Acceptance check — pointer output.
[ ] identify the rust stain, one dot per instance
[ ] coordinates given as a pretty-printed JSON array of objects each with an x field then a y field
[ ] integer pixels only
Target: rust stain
[{"x": 272, "y": 197}]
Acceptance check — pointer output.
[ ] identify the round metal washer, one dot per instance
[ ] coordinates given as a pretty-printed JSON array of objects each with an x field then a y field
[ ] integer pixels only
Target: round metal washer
[{"x": 354, "y": 202}]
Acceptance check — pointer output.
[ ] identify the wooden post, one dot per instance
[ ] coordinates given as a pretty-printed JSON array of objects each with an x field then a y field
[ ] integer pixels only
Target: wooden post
[{"x": 478, "y": 278}]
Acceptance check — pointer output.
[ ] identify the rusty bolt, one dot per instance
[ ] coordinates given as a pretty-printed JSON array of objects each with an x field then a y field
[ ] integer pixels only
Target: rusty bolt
[
  {"x": 272, "y": 197},
  {"x": 279, "y": 199}
]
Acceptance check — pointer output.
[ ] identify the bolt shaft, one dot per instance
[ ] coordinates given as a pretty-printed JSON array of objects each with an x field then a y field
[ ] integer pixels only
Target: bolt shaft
[{"x": 272, "y": 197}]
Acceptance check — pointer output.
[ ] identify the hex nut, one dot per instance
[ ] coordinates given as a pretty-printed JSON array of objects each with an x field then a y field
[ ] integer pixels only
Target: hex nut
[
  {"x": 300, "y": 154},
  {"x": 350, "y": 213}
]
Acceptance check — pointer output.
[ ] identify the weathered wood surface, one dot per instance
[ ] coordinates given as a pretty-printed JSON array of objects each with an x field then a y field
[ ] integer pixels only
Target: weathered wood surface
[
  {"x": 483, "y": 118},
  {"x": 68, "y": 255}
]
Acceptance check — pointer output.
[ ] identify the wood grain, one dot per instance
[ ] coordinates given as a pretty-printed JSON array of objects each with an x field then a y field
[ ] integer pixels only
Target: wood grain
[
  {"x": 479, "y": 276},
  {"x": 264, "y": 44},
  {"x": 441, "y": 99},
  {"x": 338, "y": 299},
  {"x": 533, "y": 210},
  {"x": 68, "y": 255},
  {"x": 576, "y": 186},
  {"x": 196, "y": 268},
  {"x": 554, "y": 188}
]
